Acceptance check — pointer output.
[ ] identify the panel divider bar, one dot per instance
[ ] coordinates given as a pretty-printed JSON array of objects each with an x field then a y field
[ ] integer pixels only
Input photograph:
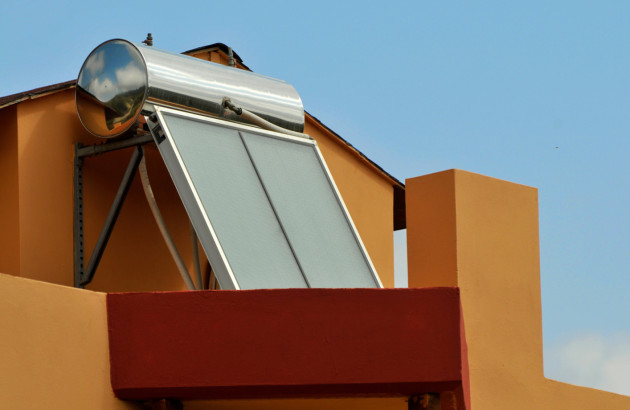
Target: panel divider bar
[{"x": 275, "y": 212}]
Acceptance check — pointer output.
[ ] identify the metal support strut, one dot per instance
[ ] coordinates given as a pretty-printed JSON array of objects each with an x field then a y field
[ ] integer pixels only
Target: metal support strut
[{"x": 83, "y": 277}]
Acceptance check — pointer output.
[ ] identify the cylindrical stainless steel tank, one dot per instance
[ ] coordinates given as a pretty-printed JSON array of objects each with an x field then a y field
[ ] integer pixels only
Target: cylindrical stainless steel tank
[{"x": 119, "y": 77}]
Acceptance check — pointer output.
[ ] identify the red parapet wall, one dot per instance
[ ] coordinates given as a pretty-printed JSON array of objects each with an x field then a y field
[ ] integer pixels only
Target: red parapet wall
[{"x": 284, "y": 343}]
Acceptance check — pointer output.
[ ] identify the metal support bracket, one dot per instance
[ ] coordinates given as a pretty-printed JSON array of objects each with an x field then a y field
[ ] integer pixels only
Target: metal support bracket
[{"x": 83, "y": 276}]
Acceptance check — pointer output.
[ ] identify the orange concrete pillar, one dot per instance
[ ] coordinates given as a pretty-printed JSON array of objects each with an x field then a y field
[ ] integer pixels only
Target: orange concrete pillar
[{"x": 481, "y": 234}]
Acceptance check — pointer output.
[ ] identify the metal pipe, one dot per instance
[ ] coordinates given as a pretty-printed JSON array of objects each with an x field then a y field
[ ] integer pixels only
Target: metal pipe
[
  {"x": 257, "y": 120},
  {"x": 114, "y": 211},
  {"x": 170, "y": 244}
]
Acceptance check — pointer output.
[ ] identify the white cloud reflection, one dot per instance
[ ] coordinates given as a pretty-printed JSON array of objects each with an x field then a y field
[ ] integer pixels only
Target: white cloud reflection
[
  {"x": 95, "y": 64},
  {"x": 103, "y": 88},
  {"x": 126, "y": 79},
  {"x": 129, "y": 77}
]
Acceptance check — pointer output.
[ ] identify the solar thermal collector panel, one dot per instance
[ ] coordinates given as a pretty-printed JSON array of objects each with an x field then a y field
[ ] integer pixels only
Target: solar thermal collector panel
[{"x": 264, "y": 205}]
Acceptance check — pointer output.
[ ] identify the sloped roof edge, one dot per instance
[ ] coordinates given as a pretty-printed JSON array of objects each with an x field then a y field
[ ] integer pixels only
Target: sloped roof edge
[
  {"x": 37, "y": 92},
  {"x": 352, "y": 147}
]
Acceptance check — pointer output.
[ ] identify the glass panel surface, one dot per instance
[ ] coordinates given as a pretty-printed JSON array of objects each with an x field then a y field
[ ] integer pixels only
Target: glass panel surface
[
  {"x": 310, "y": 213},
  {"x": 236, "y": 204}
]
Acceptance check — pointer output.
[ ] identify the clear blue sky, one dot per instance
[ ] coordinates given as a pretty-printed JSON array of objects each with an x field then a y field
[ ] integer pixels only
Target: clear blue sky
[{"x": 533, "y": 92}]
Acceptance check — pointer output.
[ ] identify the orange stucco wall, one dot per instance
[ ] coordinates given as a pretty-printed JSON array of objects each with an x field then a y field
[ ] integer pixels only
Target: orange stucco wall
[
  {"x": 54, "y": 352},
  {"x": 481, "y": 234},
  {"x": 46, "y": 130}
]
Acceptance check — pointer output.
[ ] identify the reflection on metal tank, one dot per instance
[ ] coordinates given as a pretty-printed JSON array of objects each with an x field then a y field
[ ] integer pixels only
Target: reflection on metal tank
[{"x": 118, "y": 77}]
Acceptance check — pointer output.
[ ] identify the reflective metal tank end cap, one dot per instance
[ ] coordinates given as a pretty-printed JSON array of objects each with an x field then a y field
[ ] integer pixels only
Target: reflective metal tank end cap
[{"x": 111, "y": 88}]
